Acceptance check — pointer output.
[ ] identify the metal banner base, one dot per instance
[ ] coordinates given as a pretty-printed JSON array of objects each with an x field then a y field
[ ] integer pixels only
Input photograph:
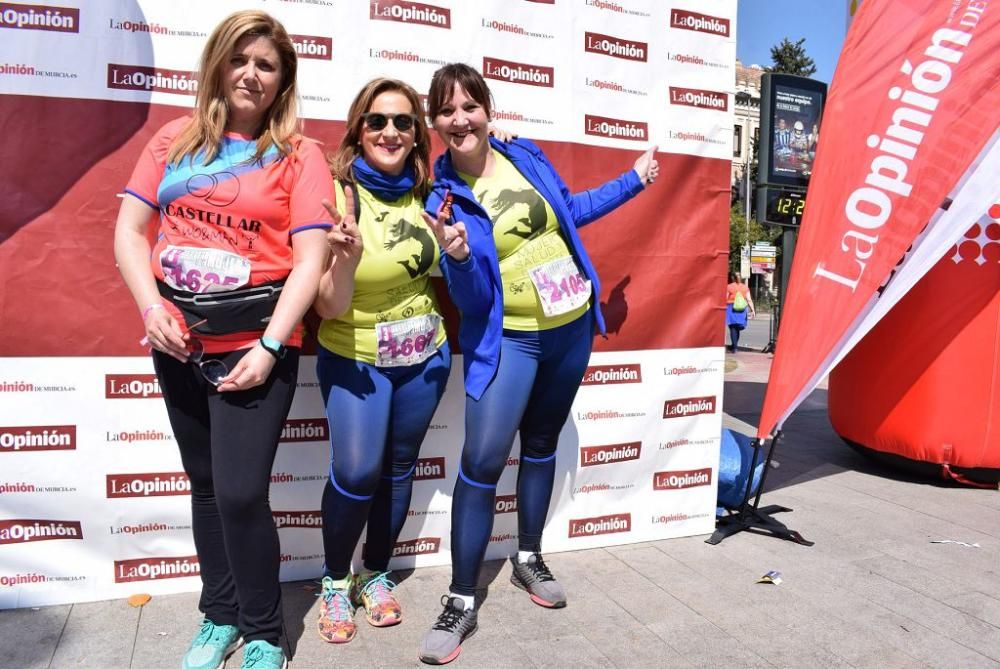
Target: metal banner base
[
  {"x": 751, "y": 517},
  {"x": 758, "y": 521}
]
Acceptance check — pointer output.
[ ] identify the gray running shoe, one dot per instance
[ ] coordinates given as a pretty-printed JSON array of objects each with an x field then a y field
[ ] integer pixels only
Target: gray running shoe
[
  {"x": 535, "y": 578},
  {"x": 443, "y": 642}
]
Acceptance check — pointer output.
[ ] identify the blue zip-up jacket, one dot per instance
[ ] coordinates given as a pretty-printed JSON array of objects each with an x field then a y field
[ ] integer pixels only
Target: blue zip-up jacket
[{"x": 474, "y": 284}]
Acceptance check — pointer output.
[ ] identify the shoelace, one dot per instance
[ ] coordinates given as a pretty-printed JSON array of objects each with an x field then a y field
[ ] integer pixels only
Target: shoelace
[
  {"x": 449, "y": 618},
  {"x": 205, "y": 633},
  {"x": 379, "y": 587},
  {"x": 337, "y": 603},
  {"x": 539, "y": 569},
  {"x": 253, "y": 656}
]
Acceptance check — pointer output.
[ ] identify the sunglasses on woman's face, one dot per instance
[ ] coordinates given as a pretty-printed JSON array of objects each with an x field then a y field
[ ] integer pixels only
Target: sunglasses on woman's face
[{"x": 377, "y": 121}]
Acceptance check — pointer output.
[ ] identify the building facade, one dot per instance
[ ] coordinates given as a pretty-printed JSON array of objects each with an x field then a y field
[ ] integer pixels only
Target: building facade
[{"x": 746, "y": 126}]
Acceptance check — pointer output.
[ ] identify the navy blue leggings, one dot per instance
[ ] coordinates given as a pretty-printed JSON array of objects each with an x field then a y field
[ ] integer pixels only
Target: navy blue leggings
[
  {"x": 532, "y": 393},
  {"x": 734, "y": 337},
  {"x": 378, "y": 418}
]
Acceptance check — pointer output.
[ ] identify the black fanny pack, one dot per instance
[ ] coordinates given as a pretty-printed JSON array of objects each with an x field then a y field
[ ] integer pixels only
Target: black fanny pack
[{"x": 225, "y": 313}]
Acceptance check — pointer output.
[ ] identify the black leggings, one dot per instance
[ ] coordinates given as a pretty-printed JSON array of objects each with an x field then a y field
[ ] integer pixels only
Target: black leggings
[{"x": 227, "y": 443}]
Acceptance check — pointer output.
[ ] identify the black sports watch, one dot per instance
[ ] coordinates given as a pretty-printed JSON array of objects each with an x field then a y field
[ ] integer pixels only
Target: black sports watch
[{"x": 274, "y": 347}]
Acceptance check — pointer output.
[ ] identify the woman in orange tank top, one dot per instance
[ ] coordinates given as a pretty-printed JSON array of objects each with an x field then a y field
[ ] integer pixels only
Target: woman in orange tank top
[{"x": 736, "y": 319}]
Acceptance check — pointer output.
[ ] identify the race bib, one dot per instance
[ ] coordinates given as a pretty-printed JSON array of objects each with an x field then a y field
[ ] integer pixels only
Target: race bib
[
  {"x": 203, "y": 270},
  {"x": 560, "y": 285},
  {"x": 406, "y": 342}
]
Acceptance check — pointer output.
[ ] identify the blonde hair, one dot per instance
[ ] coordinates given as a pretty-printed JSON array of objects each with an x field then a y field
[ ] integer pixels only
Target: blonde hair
[
  {"x": 280, "y": 123},
  {"x": 350, "y": 146}
]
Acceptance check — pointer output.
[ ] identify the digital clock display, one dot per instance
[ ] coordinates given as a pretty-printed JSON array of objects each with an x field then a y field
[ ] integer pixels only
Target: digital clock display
[{"x": 784, "y": 206}]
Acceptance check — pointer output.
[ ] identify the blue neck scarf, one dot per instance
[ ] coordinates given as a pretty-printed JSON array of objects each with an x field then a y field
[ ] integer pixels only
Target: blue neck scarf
[{"x": 384, "y": 186}]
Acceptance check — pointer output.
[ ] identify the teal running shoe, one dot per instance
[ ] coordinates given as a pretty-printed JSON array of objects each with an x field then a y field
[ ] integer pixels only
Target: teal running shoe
[
  {"x": 261, "y": 654},
  {"x": 213, "y": 644}
]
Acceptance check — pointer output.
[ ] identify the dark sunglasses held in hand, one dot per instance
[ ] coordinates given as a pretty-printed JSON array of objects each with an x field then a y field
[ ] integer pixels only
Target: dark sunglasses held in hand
[
  {"x": 213, "y": 370},
  {"x": 378, "y": 121}
]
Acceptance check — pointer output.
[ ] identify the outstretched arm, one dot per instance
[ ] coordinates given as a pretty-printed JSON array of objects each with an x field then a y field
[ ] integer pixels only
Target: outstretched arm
[{"x": 589, "y": 205}]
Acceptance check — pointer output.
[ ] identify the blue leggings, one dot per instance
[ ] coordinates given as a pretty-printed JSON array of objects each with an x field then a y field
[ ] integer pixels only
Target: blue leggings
[
  {"x": 378, "y": 418},
  {"x": 734, "y": 337},
  {"x": 533, "y": 393}
]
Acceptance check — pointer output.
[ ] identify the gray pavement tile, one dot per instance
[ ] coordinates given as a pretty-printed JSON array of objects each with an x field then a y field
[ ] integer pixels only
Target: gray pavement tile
[
  {"x": 491, "y": 645},
  {"x": 29, "y": 637},
  {"x": 630, "y": 644},
  {"x": 718, "y": 598},
  {"x": 98, "y": 634},
  {"x": 792, "y": 610},
  {"x": 703, "y": 644},
  {"x": 991, "y": 500},
  {"x": 166, "y": 626},
  {"x": 868, "y": 601},
  {"x": 856, "y": 644},
  {"x": 818, "y": 603},
  {"x": 903, "y": 534},
  {"x": 957, "y": 520},
  {"x": 964, "y": 507},
  {"x": 982, "y": 606},
  {"x": 934, "y": 584},
  {"x": 573, "y": 650},
  {"x": 958, "y": 626},
  {"x": 638, "y": 593}
]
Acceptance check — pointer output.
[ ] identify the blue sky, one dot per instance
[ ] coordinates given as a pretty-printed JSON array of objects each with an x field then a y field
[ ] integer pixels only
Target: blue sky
[{"x": 761, "y": 24}]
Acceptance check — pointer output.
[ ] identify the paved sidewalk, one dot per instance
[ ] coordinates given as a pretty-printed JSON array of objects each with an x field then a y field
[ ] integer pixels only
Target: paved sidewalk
[{"x": 872, "y": 592}]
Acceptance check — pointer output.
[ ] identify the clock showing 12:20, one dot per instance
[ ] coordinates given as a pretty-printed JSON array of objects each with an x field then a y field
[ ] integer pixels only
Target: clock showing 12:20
[{"x": 784, "y": 206}]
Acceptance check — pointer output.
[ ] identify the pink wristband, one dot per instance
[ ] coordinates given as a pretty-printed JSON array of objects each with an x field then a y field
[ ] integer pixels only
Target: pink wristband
[{"x": 145, "y": 312}]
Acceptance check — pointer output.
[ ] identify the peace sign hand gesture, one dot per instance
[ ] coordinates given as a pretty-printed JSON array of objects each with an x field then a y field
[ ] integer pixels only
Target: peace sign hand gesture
[
  {"x": 344, "y": 238},
  {"x": 454, "y": 239}
]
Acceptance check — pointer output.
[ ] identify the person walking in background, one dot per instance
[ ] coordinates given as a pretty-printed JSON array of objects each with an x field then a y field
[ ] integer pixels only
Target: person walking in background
[
  {"x": 528, "y": 297},
  {"x": 739, "y": 305},
  {"x": 383, "y": 359},
  {"x": 241, "y": 291}
]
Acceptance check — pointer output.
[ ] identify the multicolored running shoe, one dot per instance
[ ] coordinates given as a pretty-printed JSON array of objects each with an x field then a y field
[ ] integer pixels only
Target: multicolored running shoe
[
  {"x": 374, "y": 592},
  {"x": 336, "y": 612}
]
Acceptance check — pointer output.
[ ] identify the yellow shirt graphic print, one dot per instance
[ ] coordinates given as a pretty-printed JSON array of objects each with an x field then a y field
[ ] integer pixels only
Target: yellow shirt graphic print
[
  {"x": 527, "y": 236},
  {"x": 392, "y": 281}
]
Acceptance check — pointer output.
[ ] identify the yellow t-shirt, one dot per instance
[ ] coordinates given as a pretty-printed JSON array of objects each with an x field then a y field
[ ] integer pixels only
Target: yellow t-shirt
[
  {"x": 527, "y": 235},
  {"x": 392, "y": 280}
]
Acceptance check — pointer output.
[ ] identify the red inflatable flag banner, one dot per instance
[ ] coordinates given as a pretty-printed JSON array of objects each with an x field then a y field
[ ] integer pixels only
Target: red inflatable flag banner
[{"x": 914, "y": 100}]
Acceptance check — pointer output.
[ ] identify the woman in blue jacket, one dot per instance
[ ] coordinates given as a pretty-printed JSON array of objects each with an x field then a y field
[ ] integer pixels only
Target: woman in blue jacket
[{"x": 528, "y": 297}]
